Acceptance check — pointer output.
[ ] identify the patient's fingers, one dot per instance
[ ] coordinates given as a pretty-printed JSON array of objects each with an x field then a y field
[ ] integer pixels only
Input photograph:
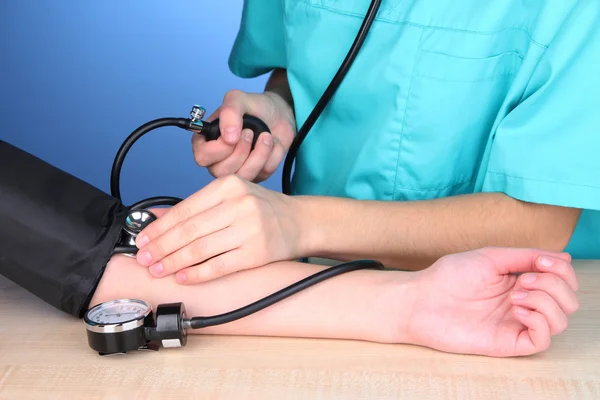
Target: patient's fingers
[{"x": 563, "y": 269}]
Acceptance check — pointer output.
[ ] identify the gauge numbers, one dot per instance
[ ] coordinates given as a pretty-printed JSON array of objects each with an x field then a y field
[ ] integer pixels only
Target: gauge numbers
[{"x": 118, "y": 312}]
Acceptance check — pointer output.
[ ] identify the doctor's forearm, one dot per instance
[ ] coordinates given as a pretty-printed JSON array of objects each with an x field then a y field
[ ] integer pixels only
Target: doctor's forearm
[
  {"x": 412, "y": 235},
  {"x": 360, "y": 305}
]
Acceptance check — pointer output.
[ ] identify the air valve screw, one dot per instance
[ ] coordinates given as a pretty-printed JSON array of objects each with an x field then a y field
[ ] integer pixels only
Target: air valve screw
[{"x": 197, "y": 113}]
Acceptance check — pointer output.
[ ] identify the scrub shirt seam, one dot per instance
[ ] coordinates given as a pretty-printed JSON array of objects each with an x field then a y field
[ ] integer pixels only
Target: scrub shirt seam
[
  {"x": 541, "y": 57},
  {"x": 392, "y": 8},
  {"x": 423, "y": 26},
  {"x": 489, "y": 78},
  {"x": 410, "y": 84},
  {"x": 542, "y": 180},
  {"x": 286, "y": 34},
  {"x": 412, "y": 189}
]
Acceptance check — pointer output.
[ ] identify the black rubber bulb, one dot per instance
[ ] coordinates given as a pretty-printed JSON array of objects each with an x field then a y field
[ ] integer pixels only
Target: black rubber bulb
[{"x": 212, "y": 132}]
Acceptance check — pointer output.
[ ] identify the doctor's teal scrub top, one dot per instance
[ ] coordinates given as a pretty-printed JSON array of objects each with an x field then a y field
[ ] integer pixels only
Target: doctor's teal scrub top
[{"x": 446, "y": 97}]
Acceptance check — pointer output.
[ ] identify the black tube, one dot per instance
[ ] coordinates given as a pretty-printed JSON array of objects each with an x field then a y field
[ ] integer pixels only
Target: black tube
[
  {"x": 210, "y": 130},
  {"x": 286, "y": 181},
  {"x": 203, "y": 322},
  {"x": 57, "y": 233},
  {"x": 115, "y": 175},
  {"x": 155, "y": 202}
]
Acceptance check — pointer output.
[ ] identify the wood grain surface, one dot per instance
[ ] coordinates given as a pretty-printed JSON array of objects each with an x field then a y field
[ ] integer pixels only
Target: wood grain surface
[{"x": 44, "y": 355}]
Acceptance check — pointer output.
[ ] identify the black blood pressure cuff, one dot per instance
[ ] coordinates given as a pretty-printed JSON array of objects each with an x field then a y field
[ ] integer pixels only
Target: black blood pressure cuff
[{"x": 57, "y": 232}]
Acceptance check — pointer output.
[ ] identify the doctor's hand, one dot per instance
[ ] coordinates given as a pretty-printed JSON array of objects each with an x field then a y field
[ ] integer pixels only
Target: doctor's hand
[
  {"x": 230, "y": 153},
  {"x": 499, "y": 302},
  {"x": 229, "y": 225}
]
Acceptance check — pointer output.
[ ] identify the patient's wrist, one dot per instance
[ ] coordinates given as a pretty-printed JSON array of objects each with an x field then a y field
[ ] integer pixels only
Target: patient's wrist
[{"x": 402, "y": 295}]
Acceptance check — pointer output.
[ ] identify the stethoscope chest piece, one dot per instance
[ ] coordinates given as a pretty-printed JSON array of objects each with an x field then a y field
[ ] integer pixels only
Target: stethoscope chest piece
[
  {"x": 135, "y": 222},
  {"x": 121, "y": 326}
]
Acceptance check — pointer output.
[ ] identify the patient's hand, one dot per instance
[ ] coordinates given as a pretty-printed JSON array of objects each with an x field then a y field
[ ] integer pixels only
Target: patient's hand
[{"x": 475, "y": 303}]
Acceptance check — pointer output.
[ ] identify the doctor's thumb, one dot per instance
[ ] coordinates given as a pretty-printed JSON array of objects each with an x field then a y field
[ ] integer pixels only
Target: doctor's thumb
[{"x": 231, "y": 115}]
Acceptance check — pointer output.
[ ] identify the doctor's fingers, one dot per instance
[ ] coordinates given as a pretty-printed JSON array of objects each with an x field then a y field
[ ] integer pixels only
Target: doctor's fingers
[
  {"x": 181, "y": 235},
  {"x": 224, "y": 264},
  {"x": 233, "y": 162},
  {"x": 212, "y": 195},
  {"x": 258, "y": 157},
  {"x": 275, "y": 158},
  {"x": 197, "y": 252},
  {"x": 236, "y": 103},
  {"x": 208, "y": 153}
]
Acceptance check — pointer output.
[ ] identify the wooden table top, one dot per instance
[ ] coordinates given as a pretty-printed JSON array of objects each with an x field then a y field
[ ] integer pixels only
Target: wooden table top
[{"x": 44, "y": 355}]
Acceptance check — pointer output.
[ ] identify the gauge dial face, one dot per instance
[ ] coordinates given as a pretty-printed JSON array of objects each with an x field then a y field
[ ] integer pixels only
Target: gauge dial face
[{"x": 118, "y": 312}]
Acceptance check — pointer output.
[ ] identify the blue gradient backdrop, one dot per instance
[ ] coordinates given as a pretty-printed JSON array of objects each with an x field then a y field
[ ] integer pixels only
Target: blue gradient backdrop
[{"x": 77, "y": 77}]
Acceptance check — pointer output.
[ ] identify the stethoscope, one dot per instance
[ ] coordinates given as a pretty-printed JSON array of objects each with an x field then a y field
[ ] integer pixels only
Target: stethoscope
[{"x": 121, "y": 326}]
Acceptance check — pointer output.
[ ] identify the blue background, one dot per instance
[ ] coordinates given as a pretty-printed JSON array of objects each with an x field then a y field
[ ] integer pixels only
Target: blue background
[{"x": 77, "y": 77}]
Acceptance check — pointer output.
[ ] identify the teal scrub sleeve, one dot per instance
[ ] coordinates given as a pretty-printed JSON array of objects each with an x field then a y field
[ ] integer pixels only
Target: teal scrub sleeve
[
  {"x": 547, "y": 149},
  {"x": 259, "y": 46}
]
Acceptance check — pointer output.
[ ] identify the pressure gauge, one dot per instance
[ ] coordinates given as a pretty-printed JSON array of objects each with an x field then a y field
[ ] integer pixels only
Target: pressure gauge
[{"x": 120, "y": 326}]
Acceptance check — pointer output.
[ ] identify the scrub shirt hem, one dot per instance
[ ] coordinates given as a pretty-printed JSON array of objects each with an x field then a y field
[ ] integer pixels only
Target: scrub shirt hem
[
  {"x": 246, "y": 72},
  {"x": 544, "y": 192}
]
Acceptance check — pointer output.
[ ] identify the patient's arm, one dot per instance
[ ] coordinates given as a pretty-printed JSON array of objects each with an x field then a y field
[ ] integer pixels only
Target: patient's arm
[
  {"x": 357, "y": 305},
  {"x": 461, "y": 304}
]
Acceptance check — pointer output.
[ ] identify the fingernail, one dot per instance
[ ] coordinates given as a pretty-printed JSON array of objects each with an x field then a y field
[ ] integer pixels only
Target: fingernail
[
  {"x": 141, "y": 241},
  {"x": 546, "y": 261},
  {"x": 145, "y": 258},
  {"x": 156, "y": 269},
  {"x": 518, "y": 295},
  {"x": 180, "y": 277},
  {"x": 529, "y": 278},
  {"x": 522, "y": 311},
  {"x": 268, "y": 140},
  {"x": 230, "y": 134},
  {"x": 248, "y": 136}
]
